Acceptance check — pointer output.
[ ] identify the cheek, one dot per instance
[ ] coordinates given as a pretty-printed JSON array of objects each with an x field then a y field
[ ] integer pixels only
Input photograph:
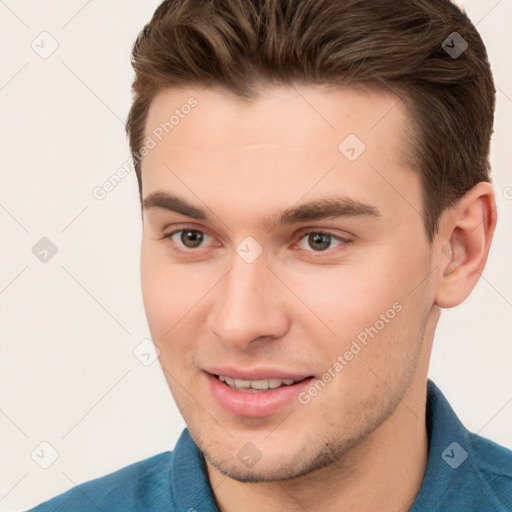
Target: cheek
[
  {"x": 165, "y": 303},
  {"x": 175, "y": 296},
  {"x": 366, "y": 300},
  {"x": 161, "y": 291},
  {"x": 347, "y": 299}
]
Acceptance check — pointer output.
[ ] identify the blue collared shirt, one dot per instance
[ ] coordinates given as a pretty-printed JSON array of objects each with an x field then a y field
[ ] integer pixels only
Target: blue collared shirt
[{"x": 465, "y": 473}]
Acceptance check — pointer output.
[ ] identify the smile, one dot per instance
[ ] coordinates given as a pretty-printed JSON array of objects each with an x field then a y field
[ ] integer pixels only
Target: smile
[
  {"x": 255, "y": 386},
  {"x": 257, "y": 395}
]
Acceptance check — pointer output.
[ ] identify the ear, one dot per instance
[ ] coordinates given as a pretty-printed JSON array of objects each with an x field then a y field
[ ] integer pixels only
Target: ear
[{"x": 464, "y": 241}]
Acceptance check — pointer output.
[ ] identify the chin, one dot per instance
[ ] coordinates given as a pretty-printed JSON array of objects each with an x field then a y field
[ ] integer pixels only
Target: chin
[{"x": 307, "y": 456}]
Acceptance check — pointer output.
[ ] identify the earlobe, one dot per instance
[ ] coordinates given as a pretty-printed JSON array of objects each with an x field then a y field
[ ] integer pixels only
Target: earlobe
[{"x": 467, "y": 231}]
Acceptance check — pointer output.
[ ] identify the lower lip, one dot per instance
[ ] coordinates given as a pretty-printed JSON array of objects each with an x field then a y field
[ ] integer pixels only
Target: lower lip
[{"x": 254, "y": 405}]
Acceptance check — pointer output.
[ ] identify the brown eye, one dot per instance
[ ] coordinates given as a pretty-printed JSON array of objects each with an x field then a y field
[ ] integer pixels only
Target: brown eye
[
  {"x": 187, "y": 238},
  {"x": 191, "y": 238},
  {"x": 319, "y": 241}
]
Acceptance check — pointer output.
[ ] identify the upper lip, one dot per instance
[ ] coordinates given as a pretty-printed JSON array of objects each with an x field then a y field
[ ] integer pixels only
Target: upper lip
[{"x": 255, "y": 373}]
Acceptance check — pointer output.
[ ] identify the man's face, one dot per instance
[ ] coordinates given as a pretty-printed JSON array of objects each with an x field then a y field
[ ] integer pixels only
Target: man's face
[{"x": 338, "y": 302}]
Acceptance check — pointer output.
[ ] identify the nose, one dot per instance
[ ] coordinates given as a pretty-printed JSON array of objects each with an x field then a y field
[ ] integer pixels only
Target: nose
[{"x": 249, "y": 305}]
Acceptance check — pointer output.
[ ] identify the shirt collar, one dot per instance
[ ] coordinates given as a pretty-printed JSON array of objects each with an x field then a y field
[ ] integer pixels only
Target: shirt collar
[
  {"x": 452, "y": 469},
  {"x": 189, "y": 478}
]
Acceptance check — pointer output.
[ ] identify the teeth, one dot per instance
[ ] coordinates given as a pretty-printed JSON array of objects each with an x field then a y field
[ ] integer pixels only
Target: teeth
[
  {"x": 260, "y": 385},
  {"x": 229, "y": 381},
  {"x": 242, "y": 383},
  {"x": 274, "y": 383}
]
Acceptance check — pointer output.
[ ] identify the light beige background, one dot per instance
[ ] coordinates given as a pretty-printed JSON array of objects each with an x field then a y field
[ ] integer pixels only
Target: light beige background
[{"x": 68, "y": 373}]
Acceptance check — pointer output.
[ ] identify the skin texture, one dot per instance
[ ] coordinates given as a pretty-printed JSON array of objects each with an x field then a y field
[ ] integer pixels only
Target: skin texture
[{"x": 360, "y": 443}]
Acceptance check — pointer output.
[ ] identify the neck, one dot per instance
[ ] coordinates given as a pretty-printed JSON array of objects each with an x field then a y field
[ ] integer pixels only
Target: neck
[{"x": 384, "y": 472}]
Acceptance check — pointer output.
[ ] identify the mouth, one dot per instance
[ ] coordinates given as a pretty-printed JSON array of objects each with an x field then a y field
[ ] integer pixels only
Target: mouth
[
  {"x": 257, "y": 386},
  {"x": 255, "y": 394}
]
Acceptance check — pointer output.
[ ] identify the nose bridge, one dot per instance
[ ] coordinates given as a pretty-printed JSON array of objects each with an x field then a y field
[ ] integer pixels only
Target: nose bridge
[{"x": 245, "y": 307}]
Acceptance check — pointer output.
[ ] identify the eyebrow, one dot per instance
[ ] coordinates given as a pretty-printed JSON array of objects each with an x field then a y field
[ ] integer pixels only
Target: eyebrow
[{"x": 325, "y": 208}]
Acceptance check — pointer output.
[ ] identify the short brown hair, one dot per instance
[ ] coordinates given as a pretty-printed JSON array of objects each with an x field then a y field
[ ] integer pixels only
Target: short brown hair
[{"x": 241, "y": 45}]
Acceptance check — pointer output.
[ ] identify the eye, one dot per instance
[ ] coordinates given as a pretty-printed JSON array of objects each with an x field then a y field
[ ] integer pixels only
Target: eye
[
  {"x": 188, "y": 238},
  {"x": 321, "y": 241}
]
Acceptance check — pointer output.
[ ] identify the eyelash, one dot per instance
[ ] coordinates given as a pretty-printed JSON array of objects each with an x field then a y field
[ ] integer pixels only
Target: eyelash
[{"x": 343, "y": 241}]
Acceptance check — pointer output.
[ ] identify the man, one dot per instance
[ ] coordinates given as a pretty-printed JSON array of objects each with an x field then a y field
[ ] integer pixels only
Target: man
[{"x": 314, "y": 180}]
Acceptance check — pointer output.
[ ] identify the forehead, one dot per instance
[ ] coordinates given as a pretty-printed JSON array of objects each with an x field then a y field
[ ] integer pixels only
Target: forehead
[
  {"x": 219, "y": 120},
  {"x": 286, "y": 143}
]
